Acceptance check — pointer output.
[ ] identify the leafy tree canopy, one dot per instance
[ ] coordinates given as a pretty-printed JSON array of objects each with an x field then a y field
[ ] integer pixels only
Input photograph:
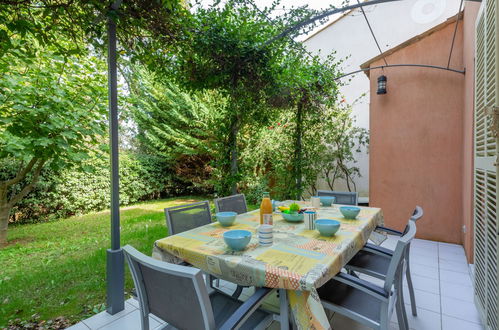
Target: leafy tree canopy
[{"x": 145, "y": 26}]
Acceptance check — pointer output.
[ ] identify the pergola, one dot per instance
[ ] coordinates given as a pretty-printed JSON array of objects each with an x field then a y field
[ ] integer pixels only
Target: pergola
[{"x": 115, "y": 258}]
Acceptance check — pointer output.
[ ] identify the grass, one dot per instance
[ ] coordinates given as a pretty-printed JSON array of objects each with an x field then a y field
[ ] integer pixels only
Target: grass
[{"x": 58, "y": 268}]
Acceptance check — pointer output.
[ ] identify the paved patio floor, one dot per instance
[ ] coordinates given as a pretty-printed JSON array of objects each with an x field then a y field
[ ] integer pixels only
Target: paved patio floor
[{"x": 442, "y": 281}]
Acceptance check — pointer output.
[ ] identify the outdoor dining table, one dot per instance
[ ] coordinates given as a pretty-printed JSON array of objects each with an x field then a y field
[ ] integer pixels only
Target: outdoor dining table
[{"x": 298, "y": 262}]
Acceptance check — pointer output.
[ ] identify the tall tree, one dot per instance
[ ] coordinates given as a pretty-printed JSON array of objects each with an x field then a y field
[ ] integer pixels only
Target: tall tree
[
  {"x": 227, "y": 52},
  {"x": 312, "y": 91},
  {"x": 52, "y": 113},
  {"x": 178, "y": 126}
]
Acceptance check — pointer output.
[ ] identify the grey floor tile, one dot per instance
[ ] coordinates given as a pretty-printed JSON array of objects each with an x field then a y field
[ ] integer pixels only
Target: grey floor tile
[
  {"x": 425, "y": 284},
  {"x": 390, "y": 242},
  {"x": 455, "y": 266},
  {"x": 426, "y": 320},
  {"x": 425, "y": 271},
  {"x": 455, "y": 277},
  {"x": 103, "y": 318},
  {"x": 394, "y": 326},
  {"x": 78, "y": 326},
  {"x": 452, "y": 323},
  {"x": 424, "y": 300},
  {"x": 429, "y": 252},
  {"x": 453, "y": 257},
  {"x": 424, "y": 243},
  {"x": 131, "y": 321},
  {"x": 422, "y": 260},
  {"x": 460, "y": 309},
  {"x": 133, "y": 302},
  {"x": 455, "y": 249},
  {"x": 456, "y": 291},
  {"x": 371, "y": 279}
]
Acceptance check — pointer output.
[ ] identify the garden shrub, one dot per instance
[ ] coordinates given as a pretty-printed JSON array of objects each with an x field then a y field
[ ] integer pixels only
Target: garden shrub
[{"x": 74, "y": 191}]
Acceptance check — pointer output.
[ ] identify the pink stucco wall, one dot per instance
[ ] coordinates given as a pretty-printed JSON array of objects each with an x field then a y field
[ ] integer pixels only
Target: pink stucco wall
[{"x": 417, "y": 138}]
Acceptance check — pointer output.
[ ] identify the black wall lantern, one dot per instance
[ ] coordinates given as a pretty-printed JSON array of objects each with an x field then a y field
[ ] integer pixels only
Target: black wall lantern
[{"x": 381, "y": 85}]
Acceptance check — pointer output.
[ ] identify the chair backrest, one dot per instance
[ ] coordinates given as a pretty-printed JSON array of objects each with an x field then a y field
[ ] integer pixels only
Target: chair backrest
[
  {"x": 342, "y": 197},
  {"x": 417, "y": 214},
  {"x": 186, "y": 217},
  {"x": 397, "y": 263},
  {"x": 177, "y": 294},
  {"x": 234, "y": 203}
]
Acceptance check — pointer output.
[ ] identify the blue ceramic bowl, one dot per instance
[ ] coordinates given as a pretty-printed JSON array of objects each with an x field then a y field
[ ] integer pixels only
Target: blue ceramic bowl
[
  {"x": 293, "y": 217},
  {"x": 237, "y": 239},
  {"x": 327, "y": 227},
  {"x": 327, "y": 200},
  {"x": 226, "y": 218},
  {"x": 349, "y": 212}
]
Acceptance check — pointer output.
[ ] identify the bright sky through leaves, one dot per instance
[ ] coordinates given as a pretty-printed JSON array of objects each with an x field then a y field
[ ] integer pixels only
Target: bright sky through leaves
[{"x": 286, "y": 4}]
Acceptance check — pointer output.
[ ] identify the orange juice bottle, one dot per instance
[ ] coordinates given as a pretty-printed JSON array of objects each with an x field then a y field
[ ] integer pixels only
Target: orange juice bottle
[{"x": 266, "y": 210}]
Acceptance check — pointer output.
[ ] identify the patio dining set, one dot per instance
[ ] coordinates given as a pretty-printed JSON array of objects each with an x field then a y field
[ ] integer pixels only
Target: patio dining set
[{"x": 304, "y": 272}]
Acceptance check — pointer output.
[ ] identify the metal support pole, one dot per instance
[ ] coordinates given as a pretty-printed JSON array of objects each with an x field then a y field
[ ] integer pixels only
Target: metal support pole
[{"x": 115, "y": 261}]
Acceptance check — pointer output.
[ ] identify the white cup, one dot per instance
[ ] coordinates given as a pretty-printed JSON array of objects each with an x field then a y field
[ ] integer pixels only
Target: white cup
[
  {"x": 309, "y": 219},
  {"x": 265, "y": 243},
  {"x": 316, "y": 201},
  {"x": 265, "y": 235},
  {"x": 265, "y": 229}
]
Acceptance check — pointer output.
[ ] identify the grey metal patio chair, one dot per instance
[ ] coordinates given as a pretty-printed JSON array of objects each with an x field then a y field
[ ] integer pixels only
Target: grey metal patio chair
[
  {"x": 234, "y": 203},
  {"x": 342, "y": 197},
  {"x": 368, "y": 303},
  {"x": 185, "y": 217},
  {"x": 373, "y": 260},
  {"x": 178, "y": 295}
]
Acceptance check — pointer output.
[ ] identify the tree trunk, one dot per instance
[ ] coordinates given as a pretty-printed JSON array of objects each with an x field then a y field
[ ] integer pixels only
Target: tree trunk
[
  {"x": 298, "y": 151},
  {"x": 234, "y": 129},
  {"x": 4, "y": 222},
  {"x": 7, "y": 204}
]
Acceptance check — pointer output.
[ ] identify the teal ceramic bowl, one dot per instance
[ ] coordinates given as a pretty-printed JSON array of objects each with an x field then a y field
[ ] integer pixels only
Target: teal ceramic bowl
[
  {"x": 327, "y": 227},
  {"x": 293, "y": 217},
  {"x": 226, "y": 218},
  {"x": 237, "y": 239},
  {"x": 327, "y": 200},
  {"x": 350, "y": 212}
]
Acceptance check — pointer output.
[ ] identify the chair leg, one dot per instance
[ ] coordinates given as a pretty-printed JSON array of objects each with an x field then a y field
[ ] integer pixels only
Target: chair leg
[
  {"x": 411, "y": 289},
  {"x": 284, "y": 309},
  {"x": 384, "y": 320},
  {"x": 400, "y": 306}
]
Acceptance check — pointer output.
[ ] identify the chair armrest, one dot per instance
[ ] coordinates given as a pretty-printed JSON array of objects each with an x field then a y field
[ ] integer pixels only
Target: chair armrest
[
  {"x": 246, "y": 309},
  {"x": 366, "y": 286},
  {"x": 389, "y": 230},
  {"x": 379, "y": 250}
]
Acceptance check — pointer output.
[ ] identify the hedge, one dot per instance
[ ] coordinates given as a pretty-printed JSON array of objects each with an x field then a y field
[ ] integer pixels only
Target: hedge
[{"x": 72, "y": 191}]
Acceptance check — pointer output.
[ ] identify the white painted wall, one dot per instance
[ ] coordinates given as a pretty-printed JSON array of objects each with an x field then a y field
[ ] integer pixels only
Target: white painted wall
[{"x": 392, "y": 23}]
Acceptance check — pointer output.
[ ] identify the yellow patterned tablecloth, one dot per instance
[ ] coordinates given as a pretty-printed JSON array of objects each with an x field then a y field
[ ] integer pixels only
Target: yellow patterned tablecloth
[{"x": 300, "y": 260}]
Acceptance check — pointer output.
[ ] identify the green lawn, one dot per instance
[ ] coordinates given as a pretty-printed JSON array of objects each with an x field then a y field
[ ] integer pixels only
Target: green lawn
[{"x": 58, "y": 268}]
